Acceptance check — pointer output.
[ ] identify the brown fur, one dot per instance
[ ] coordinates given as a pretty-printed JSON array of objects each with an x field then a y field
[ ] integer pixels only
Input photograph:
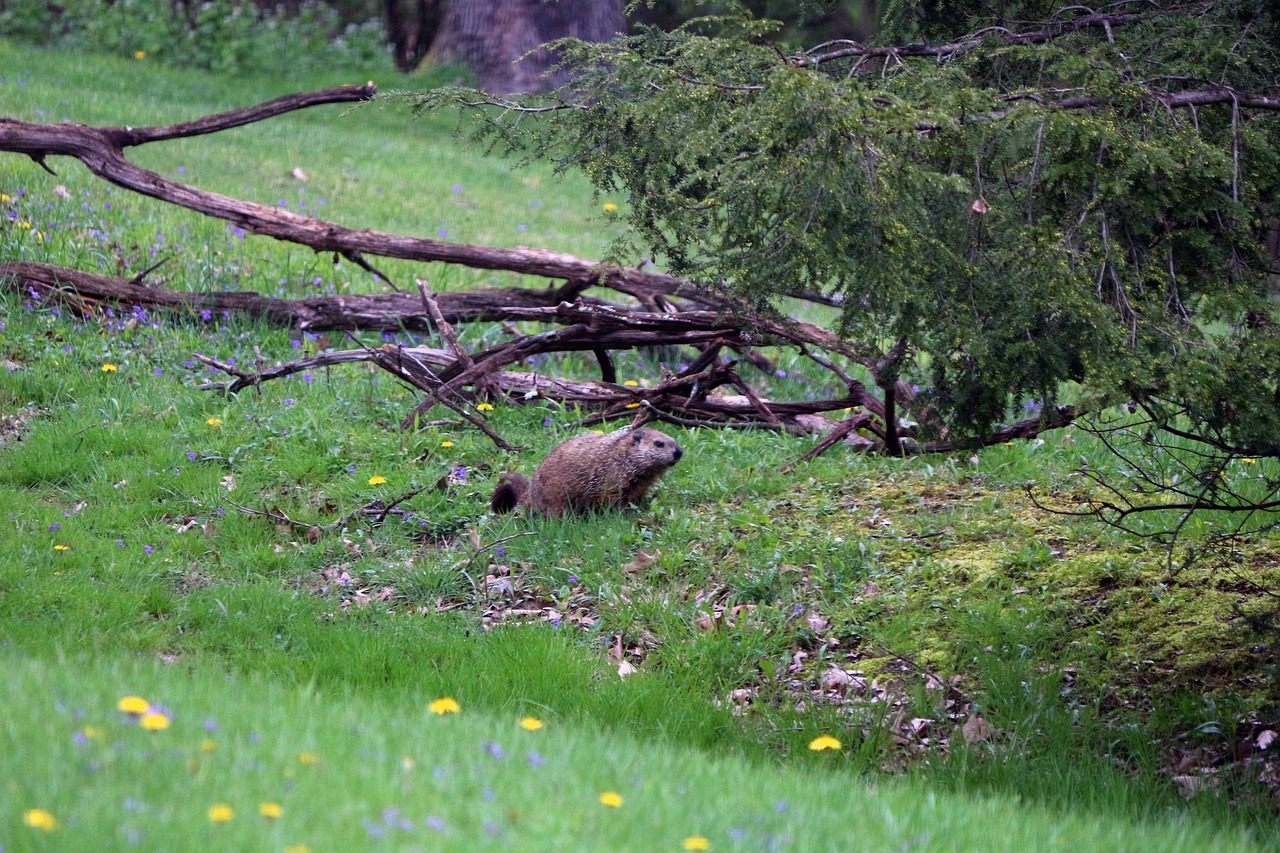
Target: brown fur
[{"x": 591, "y": 471}]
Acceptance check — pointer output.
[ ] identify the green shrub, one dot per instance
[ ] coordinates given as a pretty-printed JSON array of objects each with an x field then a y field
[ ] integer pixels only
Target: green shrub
[{"x": 225, "y": 36}]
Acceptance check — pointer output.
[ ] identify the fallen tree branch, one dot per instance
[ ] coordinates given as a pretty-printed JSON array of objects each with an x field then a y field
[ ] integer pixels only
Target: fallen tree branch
[
  {"x": 101, "y": 149},
  {"x": 374, "y": 312},
  {"x": 455, "y": 377},
  {"x": 377, "y": 507},
  {"x": 683, "y": 400},
  {"x": 421, "y": 376}
]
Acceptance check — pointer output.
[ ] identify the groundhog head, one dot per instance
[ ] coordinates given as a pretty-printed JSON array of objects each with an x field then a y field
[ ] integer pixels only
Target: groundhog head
[{"x": 653, "y": 450}]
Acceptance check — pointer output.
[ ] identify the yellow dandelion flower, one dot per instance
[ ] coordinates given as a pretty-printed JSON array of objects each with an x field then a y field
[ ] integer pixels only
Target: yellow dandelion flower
[
  {"x": 133, "y": 705},
  {"x": 485, "y": 407},
  {"x": 632, "y": 406},
  {"x": 822, "y": 742},
  {"x": 309, "y": 757},
  {"x": 61, "y": 547},
  {"x": 377, "y": 480},
  {"x": 632, "y": 383},
  {"x": 214, "y": 422},
  {"x": 696, "y": 842},
  {"x": 270, "y": 810},
  {"x": 446, "y": 444},
  {"x": 207, "y": 745},
  {"x": 108, "y": 368},
  {"x": 530, "y": 724},
  {"x": 220, "y": 813},
  {"x": 296, "y": 848},
  {"x": 612, "y": 799},
  {"x": 5, "y": 197},
  {"x": 154, "y": 722},
  {"x": 39, "y": 819},
  {"x": 446, "y": 705},
  {"x": 610, "y": 207},
  {"x": 1249, "y": 460},
  {"x": 139, "y": 54}
]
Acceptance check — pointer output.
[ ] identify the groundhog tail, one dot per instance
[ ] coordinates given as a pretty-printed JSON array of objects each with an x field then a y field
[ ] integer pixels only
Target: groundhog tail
[{"x": 509, "y": 493}]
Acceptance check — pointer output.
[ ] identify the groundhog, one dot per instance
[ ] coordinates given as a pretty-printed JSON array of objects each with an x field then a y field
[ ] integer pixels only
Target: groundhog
[{"x": 591, "y": 471}]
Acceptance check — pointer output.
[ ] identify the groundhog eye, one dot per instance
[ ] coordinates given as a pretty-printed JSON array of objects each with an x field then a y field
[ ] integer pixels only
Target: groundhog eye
[{"x": 658, "y": 444}]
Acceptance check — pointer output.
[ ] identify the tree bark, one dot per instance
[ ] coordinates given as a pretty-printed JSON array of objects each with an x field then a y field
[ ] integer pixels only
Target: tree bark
[
  {"x": 411, "y": 26},
  {"x": 500, "y": 40}
]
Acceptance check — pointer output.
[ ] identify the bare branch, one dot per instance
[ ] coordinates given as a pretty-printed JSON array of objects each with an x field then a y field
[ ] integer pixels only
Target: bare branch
[{"x": 943, "y": 52}]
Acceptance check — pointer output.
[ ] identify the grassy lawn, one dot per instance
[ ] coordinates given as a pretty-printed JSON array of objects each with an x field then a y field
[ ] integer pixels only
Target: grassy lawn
[{"x": 999, "y": 677}]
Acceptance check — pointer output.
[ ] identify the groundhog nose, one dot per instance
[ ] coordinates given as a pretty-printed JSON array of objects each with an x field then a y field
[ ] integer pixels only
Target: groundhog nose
[{"x": 678, "y": 454}]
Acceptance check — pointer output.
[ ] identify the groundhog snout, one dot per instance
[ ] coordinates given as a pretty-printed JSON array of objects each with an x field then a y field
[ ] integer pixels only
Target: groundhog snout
[{"x": 677, "y": 453}]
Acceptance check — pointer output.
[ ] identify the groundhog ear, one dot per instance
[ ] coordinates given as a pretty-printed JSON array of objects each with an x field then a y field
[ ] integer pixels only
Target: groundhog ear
[{"x": 636, "y": 438}]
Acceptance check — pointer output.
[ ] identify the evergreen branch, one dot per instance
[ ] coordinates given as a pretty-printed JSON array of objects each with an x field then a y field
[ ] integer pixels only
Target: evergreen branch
[
  {"x": 1170, "y": 100},
  {"x": 943, "y": 52}
]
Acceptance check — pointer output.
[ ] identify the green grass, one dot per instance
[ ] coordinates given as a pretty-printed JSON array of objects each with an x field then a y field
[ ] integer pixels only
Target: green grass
[
  {"x": 125, "y": 540},
  {"x": 348, "y": 771}
]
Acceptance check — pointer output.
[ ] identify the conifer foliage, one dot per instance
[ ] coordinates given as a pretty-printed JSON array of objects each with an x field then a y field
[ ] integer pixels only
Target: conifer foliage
[{"x": 1000, "y": 197}]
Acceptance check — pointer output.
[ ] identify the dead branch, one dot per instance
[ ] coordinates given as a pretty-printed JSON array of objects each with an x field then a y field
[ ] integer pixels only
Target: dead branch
[
  {"x": 376, "y": 508},
  {"x": 672, "y": 311},
  {"x": 844, "y": 49},
  {"x": 101, "y": 149},
  {"x": 684, "y": 399},
  {"x": 374, "y": 312},
  {"x": 421, "y": 376}
]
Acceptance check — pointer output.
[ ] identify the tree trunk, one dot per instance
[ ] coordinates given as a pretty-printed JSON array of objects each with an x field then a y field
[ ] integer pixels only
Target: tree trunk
[
  {"x": 410, "y": 26},
  {"x": 491, "y": 37}
]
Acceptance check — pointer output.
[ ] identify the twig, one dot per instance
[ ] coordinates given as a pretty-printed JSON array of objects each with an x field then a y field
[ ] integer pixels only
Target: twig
[{"x": 837, "y": 434}]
